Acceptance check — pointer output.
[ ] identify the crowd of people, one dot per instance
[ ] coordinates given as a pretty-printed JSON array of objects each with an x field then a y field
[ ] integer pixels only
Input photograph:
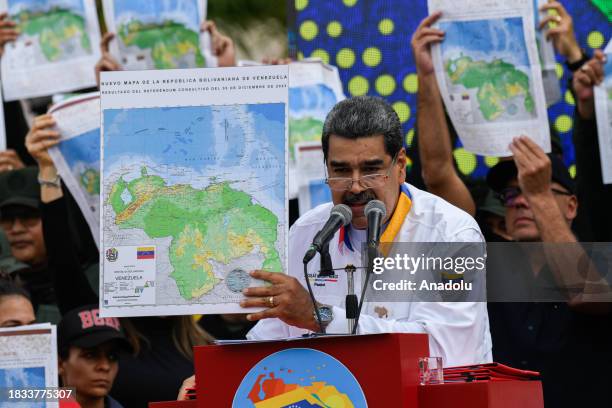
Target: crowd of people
[{"x": 49, "y": 260}]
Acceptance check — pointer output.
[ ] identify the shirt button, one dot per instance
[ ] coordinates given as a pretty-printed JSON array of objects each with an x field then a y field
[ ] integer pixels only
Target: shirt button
[
  {"x": 555, "y": 306},
  {"x": 530, "y": 328},
  {"x": 524, "y": 362}
]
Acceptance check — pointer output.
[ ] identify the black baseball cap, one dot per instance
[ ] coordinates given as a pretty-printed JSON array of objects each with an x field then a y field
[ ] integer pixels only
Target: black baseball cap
[
  {"x": 20, "y": 187},
  {"x": 83, "y": 327},
  {"x": 504, "y": 171}
]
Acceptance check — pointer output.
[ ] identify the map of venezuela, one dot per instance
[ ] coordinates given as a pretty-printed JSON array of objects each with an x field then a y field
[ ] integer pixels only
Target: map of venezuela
[
  {"x": 486, "y": 61},
  {"x": 160, "y": 35},
  {"x": 57, "y": 32},
  {"x": 217, "y": 223},
  {"x": 206, "y": 186}
]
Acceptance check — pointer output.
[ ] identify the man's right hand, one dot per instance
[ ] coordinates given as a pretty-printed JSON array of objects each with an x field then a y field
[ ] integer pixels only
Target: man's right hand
[
  {"x": 8, "y": 32},
  {"x": 106, "y": 62},
  {"x": 40, "y": 138},
  {"x": 589, "y": 75},
  {"x": 421, "y": 42}
]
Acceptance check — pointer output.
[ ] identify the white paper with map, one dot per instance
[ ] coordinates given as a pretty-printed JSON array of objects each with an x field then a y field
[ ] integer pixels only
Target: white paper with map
[
  {"x": 314, "y": 88},
  {"x": 2, "y": 127},
  {"x": 28, "y": 359},
  {"x": 77, "y": 156},
  {"x": 313, "y": 190},
  {"x": 56, "y": 50},
  {"x": 489, "y": 74},
  {"x": 158, "y": 34},
  {"x": 194, "y": 187},
  {"x": 603, "y": 113},
  {"x": 548, "y": 61}
]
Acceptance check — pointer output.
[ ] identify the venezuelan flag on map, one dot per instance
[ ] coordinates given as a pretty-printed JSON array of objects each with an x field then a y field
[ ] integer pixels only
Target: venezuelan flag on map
[{"x": 145, "y": 253}]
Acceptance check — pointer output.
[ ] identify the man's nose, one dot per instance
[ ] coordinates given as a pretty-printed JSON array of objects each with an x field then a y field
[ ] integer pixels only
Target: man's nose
[
  {"x": 520, "y": 202},
  {"x": 356, "y": 187}
]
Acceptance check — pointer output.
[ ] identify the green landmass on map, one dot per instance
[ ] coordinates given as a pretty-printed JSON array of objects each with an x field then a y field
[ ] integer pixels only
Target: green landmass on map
[
  {"x": 53, "y": 28},
  {"x": 306, "y": 129},
  {"x": 496, "y": 81},
  {"x": 217, "y": 223},
  {"x": 90, "y": 180},
  {"x": 168, "y": 41}
]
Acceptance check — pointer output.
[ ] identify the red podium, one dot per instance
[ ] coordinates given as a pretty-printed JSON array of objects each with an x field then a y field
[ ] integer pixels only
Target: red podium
[{"x": 383, "y": 366}]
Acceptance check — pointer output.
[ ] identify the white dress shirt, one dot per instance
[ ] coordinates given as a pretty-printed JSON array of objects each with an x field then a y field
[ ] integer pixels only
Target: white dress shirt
[{"x": 458, "y": 331}]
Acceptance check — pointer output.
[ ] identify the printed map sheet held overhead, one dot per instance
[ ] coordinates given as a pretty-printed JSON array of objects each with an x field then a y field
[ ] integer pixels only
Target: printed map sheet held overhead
[
  {"x": 77, "y": 156},
  {"x": 603, "y": 114},
  {"x": 56, "y": 50},
  {"x": 193, "y": 187},
  {"x": 489, "y": 74},
  {"x": 158, "y": 34}
]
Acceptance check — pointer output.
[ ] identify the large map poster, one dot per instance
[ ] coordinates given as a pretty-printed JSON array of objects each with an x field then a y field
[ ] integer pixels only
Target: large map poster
[
  {"x": 158, "y": 34},
  {"x": 489, "y": 73},
  {"x": 194, "y": 187},
  {"x": 56, "y": 50}
]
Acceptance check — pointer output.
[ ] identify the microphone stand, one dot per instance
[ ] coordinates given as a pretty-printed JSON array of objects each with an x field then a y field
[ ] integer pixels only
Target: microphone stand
[
  {"x": 372, "y": 252},
  {"x": 351, "y": 297}
]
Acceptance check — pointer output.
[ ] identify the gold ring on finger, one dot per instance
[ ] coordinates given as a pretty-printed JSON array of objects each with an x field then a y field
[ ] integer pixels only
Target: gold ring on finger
[
  {"x": 558, "y": 19},
  {"x": 271, "y": 301}
]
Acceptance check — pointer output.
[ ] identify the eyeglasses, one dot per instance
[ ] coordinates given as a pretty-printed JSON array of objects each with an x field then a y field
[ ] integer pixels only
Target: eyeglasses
[
  {"x": 508, "y": 195},
  {"x": 29, "y": 221},
  {"x": 367, "y": 181}
]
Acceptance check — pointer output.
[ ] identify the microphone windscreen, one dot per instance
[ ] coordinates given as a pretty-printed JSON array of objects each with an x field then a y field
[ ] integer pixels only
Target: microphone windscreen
[
  {"x": 375, "y": 205},
  {"x": 344, "y": 211}
]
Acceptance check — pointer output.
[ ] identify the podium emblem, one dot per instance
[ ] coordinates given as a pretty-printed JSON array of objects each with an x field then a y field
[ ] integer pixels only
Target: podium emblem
[{"x": 299, "y": 378}]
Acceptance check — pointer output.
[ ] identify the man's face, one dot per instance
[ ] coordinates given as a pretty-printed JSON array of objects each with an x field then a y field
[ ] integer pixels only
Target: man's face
[
  {"x": 354, "y": 158},
  {"x": 91, "y": 371},
  {"x": 16, "y": 310},
  {"x": 23, "y": 228},
  {"x": 520, "y": 221}
]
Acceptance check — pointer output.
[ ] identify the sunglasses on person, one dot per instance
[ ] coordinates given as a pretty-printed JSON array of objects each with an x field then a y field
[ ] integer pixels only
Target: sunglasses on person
[
  {"x": 509, "y": 194},
  {"x": 28, "y": 217}
]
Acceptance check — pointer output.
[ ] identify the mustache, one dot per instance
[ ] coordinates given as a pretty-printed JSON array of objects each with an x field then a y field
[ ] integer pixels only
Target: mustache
[{"x": 360, "y": 198}]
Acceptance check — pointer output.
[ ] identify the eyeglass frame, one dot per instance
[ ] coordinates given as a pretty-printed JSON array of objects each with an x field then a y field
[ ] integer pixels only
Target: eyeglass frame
[
  {"x": 352, "y": 180},
  {"x": 505, "y": 203}
]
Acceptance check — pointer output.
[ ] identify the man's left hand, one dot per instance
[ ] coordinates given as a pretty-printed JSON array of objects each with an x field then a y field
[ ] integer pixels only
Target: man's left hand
[
  {"x": 285, "y": 299},
  {"x": 533, "y": 165}
]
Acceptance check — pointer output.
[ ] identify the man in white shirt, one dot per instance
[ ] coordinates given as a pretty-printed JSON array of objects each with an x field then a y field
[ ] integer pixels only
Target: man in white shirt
[{"x": 365, "y": 159}]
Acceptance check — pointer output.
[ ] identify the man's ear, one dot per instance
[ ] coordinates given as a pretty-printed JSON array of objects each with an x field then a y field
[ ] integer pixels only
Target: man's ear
[
  {"x": 401, "y": 162},
  {"x": 572, "y": 208}
]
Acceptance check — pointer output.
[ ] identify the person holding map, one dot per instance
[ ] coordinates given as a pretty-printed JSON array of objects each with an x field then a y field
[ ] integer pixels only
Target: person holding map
[
  {"x": 365, "y": 160},
  {"x": 594, "y": 196}
]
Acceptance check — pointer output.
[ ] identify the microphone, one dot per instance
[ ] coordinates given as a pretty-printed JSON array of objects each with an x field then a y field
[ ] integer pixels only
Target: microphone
[
  {"x": 339, "y": 216},
  {"x": 375, "y": 211}
]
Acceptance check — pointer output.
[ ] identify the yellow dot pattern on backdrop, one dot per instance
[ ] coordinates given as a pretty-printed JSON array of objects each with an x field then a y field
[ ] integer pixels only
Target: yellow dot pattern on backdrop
[
  {"x": 334, "y": 29},
  {"x": 386, "y": 26},
  {"x": 595, "y": 39},
  {"x": 349, "y": 3},
  {"x": 345, "y": 58},
  {"x": 309, "y": 30},
  {"x": 409, "y": 137},
  {"x": 466, "y": 161},
  {"x": 319, "y": 53},
  {"x": 559, "y": 70},
  {"x": 572, "y": 170},
  {"x": 569, "y": 98},
  {"x": 371, "y": 56},
  {"x": 403, "y": 111},
  {"x": 301, "y": 4},
  {"x": 563, "y": 123},
  {"x": 358, "y": 86},
  {"x": 491, "y": 161},
  {"x": 411, "y": 83},
  {"x": 385, "y": 85}
]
